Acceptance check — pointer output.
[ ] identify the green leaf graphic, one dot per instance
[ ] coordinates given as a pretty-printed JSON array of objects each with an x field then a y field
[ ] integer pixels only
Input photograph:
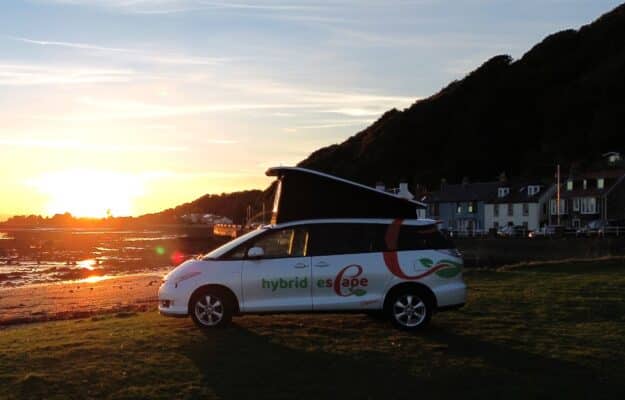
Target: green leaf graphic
[
  {"x": 426, "y": 262},
  {"x": 450, "y": 269},
  {"x": 359, "y": 292}
]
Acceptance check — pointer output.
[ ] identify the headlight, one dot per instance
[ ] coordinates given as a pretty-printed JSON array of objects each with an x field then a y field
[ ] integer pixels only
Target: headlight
[{"x": 186, "y": 276}]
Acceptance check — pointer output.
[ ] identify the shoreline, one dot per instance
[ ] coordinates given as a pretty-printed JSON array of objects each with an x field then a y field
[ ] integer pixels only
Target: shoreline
[{"x": 78, "y": 299}]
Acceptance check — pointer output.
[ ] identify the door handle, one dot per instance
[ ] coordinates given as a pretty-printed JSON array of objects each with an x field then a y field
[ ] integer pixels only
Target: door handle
[
  {"x": 300, "y": 265},
  {"x": 322, "y": 264}
]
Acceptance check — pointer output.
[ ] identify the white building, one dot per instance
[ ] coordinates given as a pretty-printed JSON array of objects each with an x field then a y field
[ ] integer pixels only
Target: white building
[{"x": 518, "y": 205}]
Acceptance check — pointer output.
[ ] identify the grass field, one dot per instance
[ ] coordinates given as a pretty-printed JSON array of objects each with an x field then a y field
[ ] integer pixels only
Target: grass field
[{"x": 539, "y": 332}]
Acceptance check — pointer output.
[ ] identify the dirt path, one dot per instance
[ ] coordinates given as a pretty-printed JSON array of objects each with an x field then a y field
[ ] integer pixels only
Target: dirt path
[{"x": 78, "y": 299}]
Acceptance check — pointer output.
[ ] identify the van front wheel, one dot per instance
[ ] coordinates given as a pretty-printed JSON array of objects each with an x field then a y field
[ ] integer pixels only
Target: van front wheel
[
  {"x": 409, "y": 310},
  {"x": 210, "y": 309}
]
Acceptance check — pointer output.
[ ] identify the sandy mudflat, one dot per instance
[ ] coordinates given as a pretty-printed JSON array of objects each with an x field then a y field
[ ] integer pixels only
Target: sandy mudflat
[{"x": 78, "y": 299}]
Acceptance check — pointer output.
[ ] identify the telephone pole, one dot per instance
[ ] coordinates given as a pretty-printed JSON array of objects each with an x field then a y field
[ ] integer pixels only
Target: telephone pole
[{"x": 558, "y": 193}]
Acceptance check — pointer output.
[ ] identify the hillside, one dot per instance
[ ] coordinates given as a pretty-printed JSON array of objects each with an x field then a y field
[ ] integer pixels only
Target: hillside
[
  {"x": 561, "y": 102},
  {"x": 233, "y": 205}
]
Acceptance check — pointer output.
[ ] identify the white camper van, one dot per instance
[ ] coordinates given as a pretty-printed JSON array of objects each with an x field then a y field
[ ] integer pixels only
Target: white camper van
[{"x": 404, "y": 268}]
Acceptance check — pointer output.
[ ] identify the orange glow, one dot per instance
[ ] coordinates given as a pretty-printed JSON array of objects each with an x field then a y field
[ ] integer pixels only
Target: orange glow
[
  {"x": 89, "y": 193},
  {"x": 87, "y": 264},
  {"x": 95, "y": 279}
]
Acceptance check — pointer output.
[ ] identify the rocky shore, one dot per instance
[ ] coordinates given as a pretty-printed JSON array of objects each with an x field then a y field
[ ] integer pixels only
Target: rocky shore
[{"x": 79, "y": 299}]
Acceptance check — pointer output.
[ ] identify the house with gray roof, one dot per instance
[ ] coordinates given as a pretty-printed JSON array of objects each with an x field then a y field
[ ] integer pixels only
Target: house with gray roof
[
  {"x": 460, "y": 207},
  {"x": 590, "y": 196},
  {"x": 519, "y": 204}
]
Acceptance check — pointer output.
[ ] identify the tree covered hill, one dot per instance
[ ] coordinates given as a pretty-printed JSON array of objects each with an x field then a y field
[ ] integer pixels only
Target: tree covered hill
[{"x": 563, "y": 101}]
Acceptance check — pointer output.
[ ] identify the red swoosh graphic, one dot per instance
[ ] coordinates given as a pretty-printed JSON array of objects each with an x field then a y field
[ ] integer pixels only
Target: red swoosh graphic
[
  {"x": 391, "y": 259},
  {"x": 392, "y": 263}
]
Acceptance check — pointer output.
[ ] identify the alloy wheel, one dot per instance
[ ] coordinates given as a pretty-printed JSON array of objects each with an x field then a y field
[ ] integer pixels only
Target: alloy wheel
[
  {"x": 409, "y": 310},
  {"x": 209, "y": 310}
]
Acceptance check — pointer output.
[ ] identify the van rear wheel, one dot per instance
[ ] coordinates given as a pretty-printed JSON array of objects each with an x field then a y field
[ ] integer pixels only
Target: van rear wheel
[
  {"x": 409, "y": 309},
  {"x": 211, "y": 308}
]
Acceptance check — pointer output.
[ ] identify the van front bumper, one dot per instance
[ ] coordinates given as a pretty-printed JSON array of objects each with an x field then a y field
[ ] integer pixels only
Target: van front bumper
[{"x": 171, "y": 303}]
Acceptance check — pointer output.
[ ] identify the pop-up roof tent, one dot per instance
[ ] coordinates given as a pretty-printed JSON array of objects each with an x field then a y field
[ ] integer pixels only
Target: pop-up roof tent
[{"x": 306, "y": 194}]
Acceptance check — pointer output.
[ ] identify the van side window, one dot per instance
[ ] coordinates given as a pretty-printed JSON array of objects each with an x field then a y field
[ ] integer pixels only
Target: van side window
[
  {"x": 422, "y": 238},
  {"x": 334, "y": 239},
  {"x": 283, "y": 243},
  {"x": 276, "y": 244}
]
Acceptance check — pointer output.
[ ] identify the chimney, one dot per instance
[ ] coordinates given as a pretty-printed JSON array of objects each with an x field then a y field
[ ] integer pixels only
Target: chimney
[
  {"x": 404, "y": 192},
  {"x": 379, "y": 185}
]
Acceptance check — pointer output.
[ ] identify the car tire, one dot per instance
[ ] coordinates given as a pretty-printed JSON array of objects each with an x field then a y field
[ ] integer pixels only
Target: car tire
[
  {"x": 211, "y": 308},
  {"x": 409, "y": 309}
]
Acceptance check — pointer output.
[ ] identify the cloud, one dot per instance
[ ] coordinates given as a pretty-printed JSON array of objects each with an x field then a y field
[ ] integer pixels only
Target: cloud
[
  {"x": 357, "y": 112},
  {"x": 115, "y": 109},
  {"x": 66, "y": 144},
  {"x": 139, "y": 55},
  {"x": 350, "y": 105},
  {"x": 28, "y": 74},
  {"x": 178, "y": 6},
  {"x": 248, "y": 97},
  {"x": 334, "y": 124},
  {"x": 221, "y": 141},
  {"x": 72, "y": 45}
]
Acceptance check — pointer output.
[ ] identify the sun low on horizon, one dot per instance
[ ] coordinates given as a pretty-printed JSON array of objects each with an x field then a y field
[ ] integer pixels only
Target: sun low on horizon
[
  {"x": 111, "y": 107},
  {"x": 89, "y": 194},
  {"x": 99, "y": 194}
]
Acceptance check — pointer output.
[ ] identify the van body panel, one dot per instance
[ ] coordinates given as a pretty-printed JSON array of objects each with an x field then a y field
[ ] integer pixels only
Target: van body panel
[{"x": 308, "y": 277}]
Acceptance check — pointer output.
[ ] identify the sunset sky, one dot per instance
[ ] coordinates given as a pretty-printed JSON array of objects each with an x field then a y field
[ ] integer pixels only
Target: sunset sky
[{"x": 140, "y": 105}]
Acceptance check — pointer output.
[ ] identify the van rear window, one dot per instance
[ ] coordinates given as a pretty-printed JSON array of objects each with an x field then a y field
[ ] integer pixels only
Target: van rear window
[
  {"x": 331, "y": 239},
  {"x": 422, "y": 238}
]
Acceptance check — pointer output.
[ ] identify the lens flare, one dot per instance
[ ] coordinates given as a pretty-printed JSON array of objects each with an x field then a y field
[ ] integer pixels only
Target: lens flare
[{"x": 177, "y": 257}]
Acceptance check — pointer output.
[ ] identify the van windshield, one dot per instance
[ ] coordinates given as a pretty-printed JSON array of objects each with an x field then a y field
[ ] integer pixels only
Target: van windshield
[{"x": 232, "y": 244}]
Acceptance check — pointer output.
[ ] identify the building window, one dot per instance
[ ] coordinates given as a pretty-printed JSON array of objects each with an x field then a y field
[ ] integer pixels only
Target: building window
[
  {"x": 510, "y": 210},
  {"x": 503, "y": 191},
  {"x": 600, "y": 183},
  {"x": 526, "y": 209},
  {"x": 588, "y": 205},
  {"x": 496, "y": 210},
  {"x": 576, "y": 202},
  {"x": 472, "y": 207},
  {"x": 458, "y": 208},
  {"x": 585, "y": 184},
  {"x": 533, "y": 189},
  {"x": 552, "y": 207},
  {"x": 569, "y": 185}
]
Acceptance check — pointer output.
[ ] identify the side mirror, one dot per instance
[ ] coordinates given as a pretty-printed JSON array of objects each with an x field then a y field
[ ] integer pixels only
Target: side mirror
[{"x": 255, "y": 252}]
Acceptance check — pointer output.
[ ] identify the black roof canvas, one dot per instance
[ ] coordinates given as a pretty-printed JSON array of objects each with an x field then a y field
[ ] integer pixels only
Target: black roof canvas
[{"x": 306, "y": 194}]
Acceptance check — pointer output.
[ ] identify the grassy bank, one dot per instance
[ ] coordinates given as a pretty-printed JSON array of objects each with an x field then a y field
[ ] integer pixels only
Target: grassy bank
[{"x": 556, "y": 331}]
